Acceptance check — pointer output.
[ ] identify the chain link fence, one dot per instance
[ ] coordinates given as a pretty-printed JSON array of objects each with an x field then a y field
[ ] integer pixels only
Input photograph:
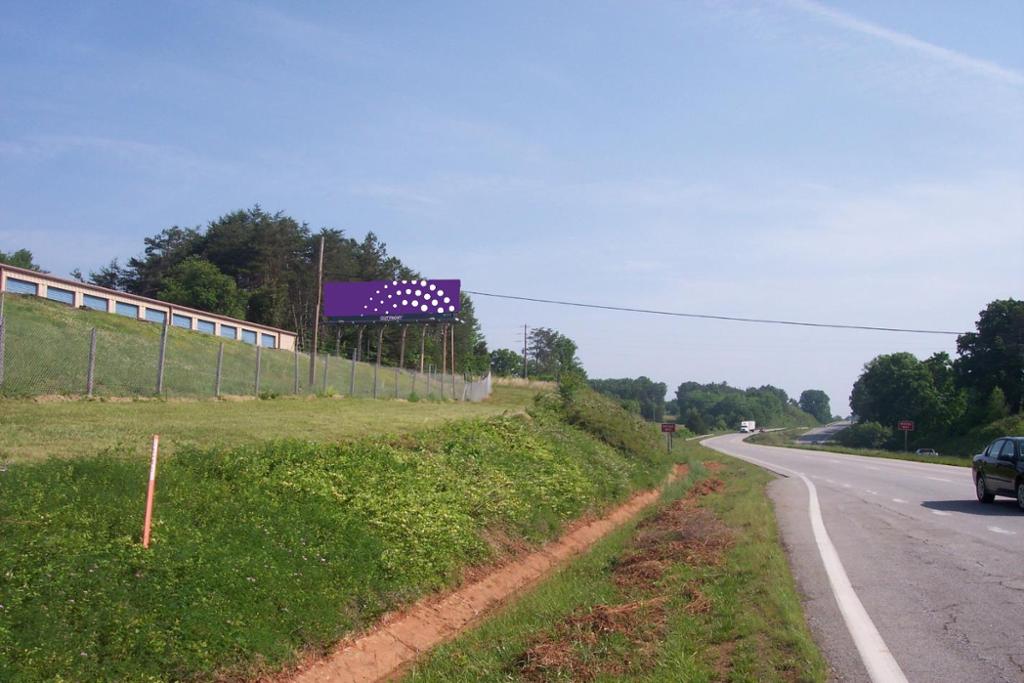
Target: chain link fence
[{"x": 47, "y": 348}]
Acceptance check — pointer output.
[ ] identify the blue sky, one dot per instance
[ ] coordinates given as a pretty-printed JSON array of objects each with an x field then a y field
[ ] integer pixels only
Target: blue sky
[{"x": 841, "y": 162}]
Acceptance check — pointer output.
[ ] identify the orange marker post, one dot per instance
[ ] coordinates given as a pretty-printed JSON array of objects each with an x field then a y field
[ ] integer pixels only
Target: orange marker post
[{"x": 152, "y": 491}]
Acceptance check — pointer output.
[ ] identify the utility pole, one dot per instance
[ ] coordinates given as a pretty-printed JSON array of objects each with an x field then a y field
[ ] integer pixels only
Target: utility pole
[
  {"x": 526, "y": 374},
  {"x": 316, "y": 318},
  {"x": 444, "y": 356},
  {"x": 423, "y": 345}
]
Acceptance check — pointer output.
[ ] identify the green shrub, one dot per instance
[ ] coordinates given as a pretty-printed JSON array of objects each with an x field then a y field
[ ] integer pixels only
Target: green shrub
[{"x": 865, "y": 435}]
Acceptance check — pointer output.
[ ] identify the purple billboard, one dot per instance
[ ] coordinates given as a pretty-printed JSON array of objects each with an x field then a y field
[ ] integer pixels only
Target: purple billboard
[{"x": 391, "y": 300}]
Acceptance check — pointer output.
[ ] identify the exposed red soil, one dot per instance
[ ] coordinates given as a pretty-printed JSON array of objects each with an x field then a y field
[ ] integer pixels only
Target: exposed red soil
[
  {"x": 397, "y": 639},
  {"x": 641, "y": 622},
  {"x": 681, "y": 533}
]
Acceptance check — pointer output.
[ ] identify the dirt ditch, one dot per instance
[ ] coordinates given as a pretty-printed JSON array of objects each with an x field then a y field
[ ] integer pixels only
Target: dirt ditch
[
  {"x": 399, "y": 638},
  {"x": 610, "y": 640}
]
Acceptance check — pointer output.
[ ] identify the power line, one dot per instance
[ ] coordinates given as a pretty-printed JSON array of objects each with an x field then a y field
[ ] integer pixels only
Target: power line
[{"x": 705, "y": 316}]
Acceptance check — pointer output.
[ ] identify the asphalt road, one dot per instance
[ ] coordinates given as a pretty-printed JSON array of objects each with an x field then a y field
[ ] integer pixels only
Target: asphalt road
[
  {"x": 822, "y": 434},
  {"x": 940, "y": 576}
]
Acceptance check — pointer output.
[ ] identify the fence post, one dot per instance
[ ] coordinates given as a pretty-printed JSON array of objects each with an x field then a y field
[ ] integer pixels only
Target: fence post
[
  {"x": 324, "y": 390},
  {"x": 259, "y": 350},
  {"x": 352, "y": 377},
  {"x": 453, "y": 362},
  {"x": 295, "y": 387},
  {"x": 3, "y": 331},
  {"x": 160, "y": 364},
  {"x": 220, "y": 370},
  {"x": 90, "y": 375}
]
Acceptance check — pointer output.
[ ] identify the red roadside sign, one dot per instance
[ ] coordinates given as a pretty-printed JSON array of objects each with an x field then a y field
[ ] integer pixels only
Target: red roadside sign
[
  {"x": 905, "y": 425},
  {"x": 668, "y": 427}
]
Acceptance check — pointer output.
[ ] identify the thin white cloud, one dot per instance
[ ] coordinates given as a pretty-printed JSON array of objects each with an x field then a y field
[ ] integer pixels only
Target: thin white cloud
[
  {"x": 981, "y": 67},
  {"x": 137, "y": 154}
]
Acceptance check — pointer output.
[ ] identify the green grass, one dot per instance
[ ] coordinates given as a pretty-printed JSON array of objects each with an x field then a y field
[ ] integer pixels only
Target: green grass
[
  {"x": 33, "y": 430},
  {"x": 753, "y": 631},
  {"x": 785, "y": 440},
  {"x": 47, "y": 353},
  {"x": 954, "y": 460},
  {"x": 956, "y": 450},
  {"x": 265, "y": 551}
]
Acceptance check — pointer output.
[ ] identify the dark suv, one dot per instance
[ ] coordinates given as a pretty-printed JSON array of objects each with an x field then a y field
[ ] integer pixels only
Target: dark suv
[{"x": 999, "y": 470}]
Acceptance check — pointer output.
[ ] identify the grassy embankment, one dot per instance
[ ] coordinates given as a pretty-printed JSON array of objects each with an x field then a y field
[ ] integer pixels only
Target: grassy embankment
[
  {"x": 47, "y": 353},
  {"x": 267, "y": 551},
  {"x": 698, "y": 590},
  {"x": 954, "y": 450},
  {"x": 34, "y": 430}
]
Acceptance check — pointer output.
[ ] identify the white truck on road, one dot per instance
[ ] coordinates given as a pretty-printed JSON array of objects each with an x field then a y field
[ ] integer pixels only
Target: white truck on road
[{"x": 748, "y": 426}]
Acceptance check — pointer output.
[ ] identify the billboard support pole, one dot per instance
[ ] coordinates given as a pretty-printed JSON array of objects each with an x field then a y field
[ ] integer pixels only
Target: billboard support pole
[
  {"x": 444, "y": 356},
  {"x": 423, "y": 345},
  {"x": 453, "y": 361},
  {"x": 401, "y": 347},
  {"x": 352, "y": 376},
  {"x": 376, "y": 368},
  {"x": 358, "y": 355},
  {"x": 316, "y": 317}
]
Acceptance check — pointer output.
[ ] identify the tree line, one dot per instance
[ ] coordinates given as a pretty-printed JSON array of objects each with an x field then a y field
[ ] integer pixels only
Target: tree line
[
  {"x": 550, "y": 355},
  {"x": 640, "y": 395},
  {"x": 715, "y": 406},
  {"x": 703, "y": 408},
  {"x": 945, "y": 397},
  {"x": 262, "y": 267}
]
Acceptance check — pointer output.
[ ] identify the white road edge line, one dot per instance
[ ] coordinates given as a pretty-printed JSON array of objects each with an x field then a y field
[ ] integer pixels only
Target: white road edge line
[{"x": 878, "y": 659}]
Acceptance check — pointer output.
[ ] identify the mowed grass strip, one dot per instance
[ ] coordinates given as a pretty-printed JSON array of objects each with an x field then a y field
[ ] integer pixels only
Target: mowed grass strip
[
  {"x": 34, "y": 430},
  {"x": 716, "y": 602},
  {"x": 785, "y": 439},
  {"x": 265, "y": 553}
]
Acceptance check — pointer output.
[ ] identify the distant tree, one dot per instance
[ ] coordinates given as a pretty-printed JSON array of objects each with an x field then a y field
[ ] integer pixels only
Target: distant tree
[
  {"x": 552, "y": 354},
  {"x": 506, "y": 363},
  {"x": 952, "y": 399},
  {"x": 647, "y": 395},
  {"x": 991, "y": 409},
  {"x": 199, "y": 284},
  {"x": 76, "y": 274},
  {"x": 994, "y": 355},
  {"x": 145, "y": 275},
  {"x": 272, "y": 259},
  {"x": 896, "y": 386},
  {"x": 111, "y": 276},
  {"x": 815, "y": 402},
  {"x": 695, "y": 422},
  {"x": 865, "y": 435},
  {"x": 19, "y": 259},
  {"x": 725, "y": 406}
]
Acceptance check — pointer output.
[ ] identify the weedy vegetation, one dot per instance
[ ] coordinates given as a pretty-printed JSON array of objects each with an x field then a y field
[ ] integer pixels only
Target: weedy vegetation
[
  {"x": 264, "y": 553},
  {"x": 696, "y": 590}
]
